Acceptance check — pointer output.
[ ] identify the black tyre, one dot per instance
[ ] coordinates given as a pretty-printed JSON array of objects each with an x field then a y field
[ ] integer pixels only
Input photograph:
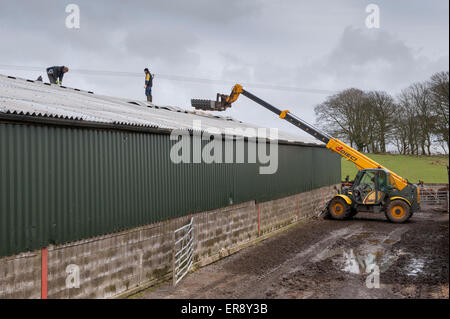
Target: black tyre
[
  {"x": 339, "y": 209},
  {"x": 398, "y": 211}
]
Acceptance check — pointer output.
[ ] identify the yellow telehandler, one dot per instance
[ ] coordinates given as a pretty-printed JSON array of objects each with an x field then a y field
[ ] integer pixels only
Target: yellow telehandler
[{"x": 374, "y": 189}]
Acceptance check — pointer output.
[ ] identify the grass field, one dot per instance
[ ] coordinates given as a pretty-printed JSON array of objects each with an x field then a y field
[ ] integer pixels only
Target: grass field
[{"x": 430, "y": 169}]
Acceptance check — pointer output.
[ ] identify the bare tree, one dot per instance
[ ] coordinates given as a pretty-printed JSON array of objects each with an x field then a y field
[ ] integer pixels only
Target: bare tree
[
  {"x": 370, "y": 121},
  {"x": 347, "y": 115},
  {"x": 422, "y": 102},
  {"x": 405, "y": 126},
  {"x": 418, "y": 121},
  {"x": 439, "y": 91},
  {"x": 383, "y": 110},
  {"x": 399, "y": 133}
]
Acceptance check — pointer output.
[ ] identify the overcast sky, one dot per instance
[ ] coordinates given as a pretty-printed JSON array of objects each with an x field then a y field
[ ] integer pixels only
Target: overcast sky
[{"x": 323, "y": 45}]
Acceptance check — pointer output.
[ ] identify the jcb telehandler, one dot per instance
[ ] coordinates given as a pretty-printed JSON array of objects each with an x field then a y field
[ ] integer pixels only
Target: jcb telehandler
[{"x": 374, "y": 189}]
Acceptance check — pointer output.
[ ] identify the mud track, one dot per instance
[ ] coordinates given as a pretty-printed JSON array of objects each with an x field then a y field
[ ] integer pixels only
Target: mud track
[{"x": 331, "y": 259}]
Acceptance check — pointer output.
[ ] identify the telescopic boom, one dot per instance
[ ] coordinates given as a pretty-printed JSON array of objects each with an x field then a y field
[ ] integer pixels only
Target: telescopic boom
[{"x": 360, "y": 160}]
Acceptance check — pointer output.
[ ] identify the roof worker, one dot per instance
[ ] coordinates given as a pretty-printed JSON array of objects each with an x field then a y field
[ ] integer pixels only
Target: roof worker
[
  {"x": 148, "y": 84},
  {"x": 56, "y": 74}
]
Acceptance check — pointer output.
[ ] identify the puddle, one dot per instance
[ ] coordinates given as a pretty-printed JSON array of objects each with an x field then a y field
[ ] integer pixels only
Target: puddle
[
  {"x": 362, "y": 263},
  {"x": 415, "y": 266},
  {"x": 361, "y": 236},
  {"x": 360, "y": 260},
  {"x": 355, "y": 262},
  {"x": 374, "y": 250},
  {"x": 359, "y": 264},
  {"x": 351, "y": 264}
]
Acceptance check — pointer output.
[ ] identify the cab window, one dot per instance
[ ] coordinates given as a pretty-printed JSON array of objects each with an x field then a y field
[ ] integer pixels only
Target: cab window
[
  {"x": 391, "y": 180},
  {"x": 382, "y": 182},
  {"x": 368, "y": 178}
]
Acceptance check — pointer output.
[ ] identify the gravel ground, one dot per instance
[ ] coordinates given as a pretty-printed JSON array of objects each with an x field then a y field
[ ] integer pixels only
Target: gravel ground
[{"x": 331, "y": 259}]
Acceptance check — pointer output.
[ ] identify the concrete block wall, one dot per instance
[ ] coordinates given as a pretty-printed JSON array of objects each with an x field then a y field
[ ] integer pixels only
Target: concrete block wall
[
  {"x": 281, "y": 212},
  {"x": 20, "y": 276},
  {"x": 115, "y": 263},
  {"x": 224, "y": 228}
]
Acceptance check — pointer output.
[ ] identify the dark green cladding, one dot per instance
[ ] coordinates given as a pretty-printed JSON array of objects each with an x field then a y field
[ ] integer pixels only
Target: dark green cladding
[{"x": 60, "y": 184}]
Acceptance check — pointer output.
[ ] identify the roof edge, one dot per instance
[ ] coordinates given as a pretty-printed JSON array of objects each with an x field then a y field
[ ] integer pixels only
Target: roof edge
[{"x": 55, "y": 121}]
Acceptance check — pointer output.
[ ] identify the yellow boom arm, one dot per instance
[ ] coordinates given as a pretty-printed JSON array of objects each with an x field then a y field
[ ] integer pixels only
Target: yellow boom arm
[{"x": 361, "y": 161}]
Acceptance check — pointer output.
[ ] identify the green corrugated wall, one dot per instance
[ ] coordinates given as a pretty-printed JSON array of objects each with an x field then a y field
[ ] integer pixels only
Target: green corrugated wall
[{"x": 60, "y": 184}]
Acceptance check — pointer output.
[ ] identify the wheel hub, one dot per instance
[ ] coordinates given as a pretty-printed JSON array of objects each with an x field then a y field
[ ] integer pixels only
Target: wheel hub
[
  {"x": 338, "y": 208},
  {"x": 398, "y": 211}
]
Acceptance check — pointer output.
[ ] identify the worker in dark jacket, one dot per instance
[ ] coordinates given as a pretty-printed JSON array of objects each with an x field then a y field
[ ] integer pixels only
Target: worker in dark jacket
[
  {"x": 56, "y": 74},
  {"x": 148, "y": 84}
]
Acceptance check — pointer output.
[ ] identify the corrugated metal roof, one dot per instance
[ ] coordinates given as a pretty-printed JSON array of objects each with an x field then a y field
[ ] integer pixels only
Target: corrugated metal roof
[{"x": 27, "y": 97}]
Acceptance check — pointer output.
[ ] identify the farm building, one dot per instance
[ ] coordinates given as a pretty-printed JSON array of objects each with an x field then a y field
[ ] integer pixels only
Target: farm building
[{"x": 79, "y": 170}]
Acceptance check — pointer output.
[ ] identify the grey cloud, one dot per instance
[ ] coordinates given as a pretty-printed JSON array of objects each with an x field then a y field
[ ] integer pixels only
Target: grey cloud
[
  {"x": 314, "y": 44},
  {"x": 117, "y": 13},
  {"x": 371, "y": 59},
  {"x": 174, "y": 45},
  {"x": 36, "y": 29},
  {"x": 359, "y": 47},
  {"x": 206, "y": 11},
  {"x": 234, "y": 67}
]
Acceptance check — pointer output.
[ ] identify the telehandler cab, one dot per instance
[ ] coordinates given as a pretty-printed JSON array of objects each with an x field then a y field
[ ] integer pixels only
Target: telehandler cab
[{"x": 374, "y": 189}]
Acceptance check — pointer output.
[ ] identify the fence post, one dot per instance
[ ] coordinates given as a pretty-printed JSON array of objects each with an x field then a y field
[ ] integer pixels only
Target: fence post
[{"x": 44, "y": 264}]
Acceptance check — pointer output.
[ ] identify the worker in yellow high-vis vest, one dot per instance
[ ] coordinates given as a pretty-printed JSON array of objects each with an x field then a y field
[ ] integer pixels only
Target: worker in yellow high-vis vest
[{"x": 148, "y": 84}]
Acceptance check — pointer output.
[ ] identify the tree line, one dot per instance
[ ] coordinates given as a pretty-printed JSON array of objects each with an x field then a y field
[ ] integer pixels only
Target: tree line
[{"x": 414, "y": 122}]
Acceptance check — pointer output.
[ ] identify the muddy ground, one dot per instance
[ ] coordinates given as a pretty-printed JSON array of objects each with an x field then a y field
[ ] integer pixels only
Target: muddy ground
[{"x": 331, "y": 259}]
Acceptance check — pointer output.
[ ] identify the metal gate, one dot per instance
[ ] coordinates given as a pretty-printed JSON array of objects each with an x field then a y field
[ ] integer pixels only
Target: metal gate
[
  {"x": 434, "y": 198},
  {"x": 183, "y": 251}
]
